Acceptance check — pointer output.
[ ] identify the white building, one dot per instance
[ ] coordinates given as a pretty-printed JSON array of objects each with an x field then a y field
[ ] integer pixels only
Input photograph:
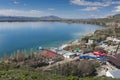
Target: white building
[
  {"x": 69, "y": 55},
  {"x": 113, "y": 73},
  {"x": 61, "y": 52}
]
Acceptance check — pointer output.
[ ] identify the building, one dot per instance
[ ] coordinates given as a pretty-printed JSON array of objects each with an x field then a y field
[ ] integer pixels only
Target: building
[
  {"x": 50, "y": 54},
  {"x": 61, "y": 52},
  {"x": 69, "y": 55},
  {"x": 115, "y": 60},
  {"x": 113, "y": 73}
]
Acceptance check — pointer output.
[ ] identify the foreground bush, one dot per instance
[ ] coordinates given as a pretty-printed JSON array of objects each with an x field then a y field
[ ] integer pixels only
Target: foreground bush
[{"x": 81, "y": 68}]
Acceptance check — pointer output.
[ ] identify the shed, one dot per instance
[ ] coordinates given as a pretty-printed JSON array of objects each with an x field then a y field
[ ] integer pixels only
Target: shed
[{"x": 113, "y": 73}]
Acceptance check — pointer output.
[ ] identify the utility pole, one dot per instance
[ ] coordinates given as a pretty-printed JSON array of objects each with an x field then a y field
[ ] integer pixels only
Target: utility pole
[{"x": 115, "y": 28}]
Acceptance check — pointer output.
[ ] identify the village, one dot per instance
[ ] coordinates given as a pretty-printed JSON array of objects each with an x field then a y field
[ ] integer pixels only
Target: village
[{"x": 106, "y": 51}]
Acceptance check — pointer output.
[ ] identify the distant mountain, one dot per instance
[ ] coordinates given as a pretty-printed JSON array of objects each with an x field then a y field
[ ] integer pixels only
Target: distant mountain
[
  {"x": 17, "y": 18},
  {"x": 50, "y": 18},
  {"x": 21, "y": 18}
]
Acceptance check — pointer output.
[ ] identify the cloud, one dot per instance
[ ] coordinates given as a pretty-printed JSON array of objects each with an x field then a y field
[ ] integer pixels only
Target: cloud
[
  {"x": 16, "y": 2},
  {"x": 51, "y": 9},
  {"x": 90, "y": 9},
  {"x": 29, "y": 13},
  {"x": 95, "y": 3},
  {"x": 117, "y": 9}
]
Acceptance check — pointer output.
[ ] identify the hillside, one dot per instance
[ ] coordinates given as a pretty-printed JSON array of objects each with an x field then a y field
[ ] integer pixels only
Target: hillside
[
  {"x": 9, "y": 72},
  {"x": 115, "y": 16}
]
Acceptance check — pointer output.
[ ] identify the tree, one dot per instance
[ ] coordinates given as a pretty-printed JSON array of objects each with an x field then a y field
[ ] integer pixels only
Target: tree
[{"x": 20, "y": 56}]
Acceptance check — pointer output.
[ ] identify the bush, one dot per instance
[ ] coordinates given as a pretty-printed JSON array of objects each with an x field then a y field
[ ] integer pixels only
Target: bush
[{"x": 81, "y": 69}]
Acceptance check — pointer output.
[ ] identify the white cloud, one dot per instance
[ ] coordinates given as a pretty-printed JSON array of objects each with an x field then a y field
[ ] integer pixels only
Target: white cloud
[
  {"x": 117, "y": 9},
  {"x": 16, "y": 2},
  {"x": 96, "y": 3},
  {"x": 29, "y": 13},
  {"x": 51, "y": 9},
  {"x": 90, "y": 9}
]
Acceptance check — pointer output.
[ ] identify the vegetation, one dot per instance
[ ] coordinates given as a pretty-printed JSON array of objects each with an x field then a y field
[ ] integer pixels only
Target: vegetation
[
  {"x": 82, "y": 68},
  {"x": 9, "y": 72}
]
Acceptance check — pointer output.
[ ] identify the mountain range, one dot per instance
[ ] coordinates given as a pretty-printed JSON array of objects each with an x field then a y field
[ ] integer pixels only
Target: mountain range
[
  {"x": 13, "y": 18},
  {"x": 51, "y": 17}
]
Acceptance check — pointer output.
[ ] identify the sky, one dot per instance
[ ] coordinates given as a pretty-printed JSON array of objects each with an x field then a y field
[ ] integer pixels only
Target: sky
[{"x": 62, "y": 8}]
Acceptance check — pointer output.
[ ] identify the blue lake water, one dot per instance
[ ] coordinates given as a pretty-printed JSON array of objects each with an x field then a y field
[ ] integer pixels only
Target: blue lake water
[{"x": 26, "y": 35}]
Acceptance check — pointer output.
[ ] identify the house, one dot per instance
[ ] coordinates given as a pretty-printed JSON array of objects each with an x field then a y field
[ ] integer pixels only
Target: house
[
  {"x": 113, "y": 73},
  {"x": 61, "y": 52},
  {"x": 115, "y": 60},
  {"x": 69, "y": 55},
  {"x": 50, "y": 54}
]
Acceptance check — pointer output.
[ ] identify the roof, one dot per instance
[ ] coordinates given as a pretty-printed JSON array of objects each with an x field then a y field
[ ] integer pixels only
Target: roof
[
  {"x": 99, "y": 53},
  {"x": 115, "y": 60},
  {"x": 49, "y": 53},
  {"x": 69, "y": 54},
  {"x": 115, "y": 73},
  {"x": 61, "y": 52}
]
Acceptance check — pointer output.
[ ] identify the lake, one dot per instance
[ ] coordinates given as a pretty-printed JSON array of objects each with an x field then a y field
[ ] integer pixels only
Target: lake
[{"x": 26, "y": 35}]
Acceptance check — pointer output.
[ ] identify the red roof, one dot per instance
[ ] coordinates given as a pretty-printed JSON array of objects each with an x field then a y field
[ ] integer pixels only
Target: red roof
[
  {"x": 49, "y": 54},
  {"x": 99, "y": 53}
]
